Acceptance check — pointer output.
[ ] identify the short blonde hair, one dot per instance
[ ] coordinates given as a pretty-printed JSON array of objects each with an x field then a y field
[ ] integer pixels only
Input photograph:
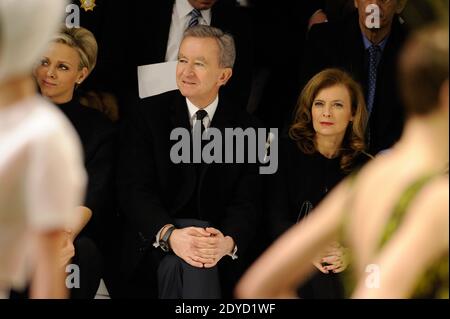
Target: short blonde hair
[{"x": 83, "y": 41}]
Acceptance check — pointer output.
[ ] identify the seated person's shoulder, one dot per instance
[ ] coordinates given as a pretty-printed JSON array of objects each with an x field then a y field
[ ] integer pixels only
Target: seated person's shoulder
[
  {"x": 155, "y": 106},
  {"x": 96, "y": 119},
  {"x": 290, "y": 152},
  {"x": 100, "y": 107}
]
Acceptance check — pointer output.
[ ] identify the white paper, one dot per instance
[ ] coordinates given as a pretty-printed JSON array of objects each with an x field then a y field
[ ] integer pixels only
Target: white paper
[{"x": 157, "y": 78}]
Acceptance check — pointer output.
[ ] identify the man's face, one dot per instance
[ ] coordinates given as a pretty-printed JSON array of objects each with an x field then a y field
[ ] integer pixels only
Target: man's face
[
  {"x": 199, "y": 75},
  {"x": 202, "y": 4},
  {"x": 388, "y": 9}
]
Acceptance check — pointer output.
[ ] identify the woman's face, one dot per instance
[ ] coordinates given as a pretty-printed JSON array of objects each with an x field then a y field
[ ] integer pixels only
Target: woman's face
[
  {"x": 331, "y": 111},
  {"x": 58, "y": 73}
]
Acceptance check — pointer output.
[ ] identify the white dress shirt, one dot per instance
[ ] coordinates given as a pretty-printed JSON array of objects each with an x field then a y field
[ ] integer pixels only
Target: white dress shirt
[
  {"x": 210, "y": 109},
  {"x": 180, "y": 20}
]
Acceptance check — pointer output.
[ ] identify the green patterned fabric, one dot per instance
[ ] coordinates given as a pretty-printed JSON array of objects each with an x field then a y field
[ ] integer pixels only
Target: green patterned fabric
[{"x": 434, "y": 282}]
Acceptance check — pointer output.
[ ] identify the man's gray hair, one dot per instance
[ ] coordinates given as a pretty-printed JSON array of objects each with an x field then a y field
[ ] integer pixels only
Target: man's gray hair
[{"x": 227, "y": 51}]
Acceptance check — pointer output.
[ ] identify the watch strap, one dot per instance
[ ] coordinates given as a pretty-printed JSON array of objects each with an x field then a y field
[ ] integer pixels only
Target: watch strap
[{"x": 165, "y": 238}]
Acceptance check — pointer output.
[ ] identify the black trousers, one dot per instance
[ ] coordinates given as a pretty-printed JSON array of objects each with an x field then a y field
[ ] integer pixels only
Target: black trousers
[{"x": 179, "y": 280}]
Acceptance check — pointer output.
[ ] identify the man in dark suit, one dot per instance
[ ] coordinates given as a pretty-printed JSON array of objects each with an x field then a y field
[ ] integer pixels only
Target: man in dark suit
[
  {"x": 162, "y": 23},
  {"x": 201, "y": 212},
  {"x": 369, "y": 54}
]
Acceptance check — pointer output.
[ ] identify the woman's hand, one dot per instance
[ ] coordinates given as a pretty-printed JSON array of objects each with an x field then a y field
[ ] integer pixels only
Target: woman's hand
[
  {"x": 336, "y": 257},
  {"x": 319, "y": 266}
]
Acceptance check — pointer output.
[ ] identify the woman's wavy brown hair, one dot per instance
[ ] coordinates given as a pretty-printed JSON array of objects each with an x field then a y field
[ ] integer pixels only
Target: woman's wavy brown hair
[{"x": 302, "y": 130}]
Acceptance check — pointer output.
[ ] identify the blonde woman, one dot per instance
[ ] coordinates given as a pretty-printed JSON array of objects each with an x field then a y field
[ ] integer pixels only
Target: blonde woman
[{"x": 69, "y": 60}]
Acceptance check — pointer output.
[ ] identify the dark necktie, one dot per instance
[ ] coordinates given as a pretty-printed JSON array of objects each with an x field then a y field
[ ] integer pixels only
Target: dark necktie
[
  {"x": 195, "y": 15},
  {"x": 374, "y": 60},
  {"x": 198, "y": 130},
  {"x": 200, "y": 115}
]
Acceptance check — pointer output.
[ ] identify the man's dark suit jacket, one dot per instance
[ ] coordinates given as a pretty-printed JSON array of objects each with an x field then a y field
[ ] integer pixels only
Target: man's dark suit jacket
[
  {"x": 150, "y": 22},
  {"x": 341, "y": 45},
  {"x": 153, "y": 190}
]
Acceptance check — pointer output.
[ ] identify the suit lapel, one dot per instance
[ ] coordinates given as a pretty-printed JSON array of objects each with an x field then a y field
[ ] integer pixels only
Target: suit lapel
[
  {"x": 222, "y": 119},
  {"x": 393, "y": 46},
  {"x": 386, "y": 80},
  {"x": 179, "y": 114},
  {"x": 179, "y": 118}
]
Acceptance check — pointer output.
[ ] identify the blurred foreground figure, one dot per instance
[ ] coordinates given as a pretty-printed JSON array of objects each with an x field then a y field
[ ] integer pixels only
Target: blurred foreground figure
[
  {"x": 41, "y": 169},
  {"x": 394, "y": 213}
]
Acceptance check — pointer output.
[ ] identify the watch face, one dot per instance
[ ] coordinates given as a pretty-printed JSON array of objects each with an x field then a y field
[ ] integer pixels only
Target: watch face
[{"x": 164, "y": 246}]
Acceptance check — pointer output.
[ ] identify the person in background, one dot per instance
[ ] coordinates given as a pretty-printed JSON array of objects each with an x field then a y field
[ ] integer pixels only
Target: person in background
[
  {"x": 325, "y": 144},
  {"x": 42, "y": 177},
  {"x": 199, "y": 216},
  {"x": 394, "y": 213},
  {"x": 369, "y": 53},
  {"x": 163, "y": 23}
]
